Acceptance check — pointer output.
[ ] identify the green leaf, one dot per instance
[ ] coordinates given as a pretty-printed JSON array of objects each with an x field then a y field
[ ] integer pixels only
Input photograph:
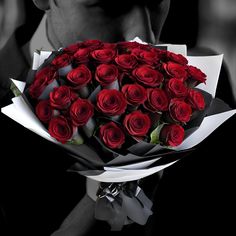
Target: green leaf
[
  {"x": 78, "y": 141},
  {"x": 155, "y": 134},
  {"x": 15, "y": 90}
]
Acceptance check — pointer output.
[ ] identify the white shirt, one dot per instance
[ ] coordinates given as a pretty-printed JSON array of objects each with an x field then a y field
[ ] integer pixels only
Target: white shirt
[{"x": 40, "y": 41}]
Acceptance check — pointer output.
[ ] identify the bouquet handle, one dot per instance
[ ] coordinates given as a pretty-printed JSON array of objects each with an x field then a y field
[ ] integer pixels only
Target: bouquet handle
[{"x": 119, "y": 204}]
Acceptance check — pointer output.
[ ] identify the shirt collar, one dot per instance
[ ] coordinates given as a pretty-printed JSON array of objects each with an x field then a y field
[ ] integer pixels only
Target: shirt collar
[{"x": 40, "y": 41}]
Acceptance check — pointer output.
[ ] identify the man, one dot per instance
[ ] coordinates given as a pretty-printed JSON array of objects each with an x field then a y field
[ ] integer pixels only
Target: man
[
  {"x": 41, "y": 205},
  {"x": 38, "y": 207},
  {"x": 217, "y": 28},
  {"x": 121, "y": 20}
]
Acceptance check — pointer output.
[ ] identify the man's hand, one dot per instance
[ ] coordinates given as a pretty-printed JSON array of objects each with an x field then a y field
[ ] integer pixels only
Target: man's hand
[{"x": 80, "y": 220}]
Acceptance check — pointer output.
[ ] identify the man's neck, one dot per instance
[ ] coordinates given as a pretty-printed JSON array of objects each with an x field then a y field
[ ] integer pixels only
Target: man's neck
[
  {"x": 39, "y": 41},
  {"x": 50, "y": 33}
]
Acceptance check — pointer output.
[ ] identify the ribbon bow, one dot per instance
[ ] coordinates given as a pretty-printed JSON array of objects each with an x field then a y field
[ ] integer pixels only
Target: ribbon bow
[{"x": 122, "y": 203}]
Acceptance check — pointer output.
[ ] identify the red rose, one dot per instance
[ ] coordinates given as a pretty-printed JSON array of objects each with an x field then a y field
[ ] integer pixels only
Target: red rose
[
  {"x": 180, "y": 111},
  {"x": 196, "y": 74},
  {"x": 176, "y": 70},
  {"x": 109, "y": 46},
  {"x": 61, "y": 97},
  {"x": 92, "y": 44},
  {"x": 176, "y": 88},
  {"x": 135, "y": 94},
  {"x": 137, "y": 123},
  {"x": 136, "y": 52},
  {"x": 46, "y": 72},
  {"x": 44, "y": 111},
  {"x": 42, "y": 78},
  {"x": 111, "y": 102},
  {"x": 126, "y": 61},
  {"x": 145, "y": 47},
  {"x": 172, "y": 135},
  {"x": 104, "y": 55},
  {"x": 178, "y": 58},
  {"x": 157, "y": 100},
  {"x": 37, "y": 87},
  {"x": 125, "y": 47},
  {"x": 71, "y": 49},
  {"x": 196, "y": 99},
  {"x": 106, "y": 74},
  {"x": 79, "y": 77},
  {"x": 60, "y": 129},
  {"x": 161, "y": 54},
  {"x": 61, "y": 60},
  {"x": 82, "y": 55},
  {"x": 112, "y": 135},
  {"x": 147, "y": 76},
  {"x": 81, "y": 111},
  {"x": 148, "y": 57}
]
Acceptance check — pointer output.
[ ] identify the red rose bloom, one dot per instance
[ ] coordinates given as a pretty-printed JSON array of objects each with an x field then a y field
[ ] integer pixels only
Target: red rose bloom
[
  {"x": 81, "y": 111},
  {"x": 136, "y": 52},
  {"x": 157, "y": 100},
  {"x": 37, "y": 87},
  {"x": 135, "y": 94},
  {"x": 109, "y": 46},
  {"x": 196, "y": 99},
  {"x": 61, "y": 60},
  {"x": 79, "y": 77},
  {"x": 137, "y": 123},
  {"x": 92, "y": 44},
  {"x": 176, "y": 70},
  {"x": 60, "y": 129},
  {"x": 104, "y": 55},
  {"x": 147, "y": 57},
  {"x": 145, "y": 47},
  {"x": 151, "y": 58},
  {"x": 178, "y": 58},
  {"x": 44, "y": 111},
  {"x": 161, "y": 54},
  {"x": 125, "y": 47},
  {"x": 176, "y": 88},
  {"x": 46, "y": 72},
  {"x": 82, "y": 55},
  {"x": 111, "y": 102},
  {"x": 106, "y": 74},
  {"x": 71, "y": 49},
  {"x": 147, "y": 76},
  {"x": 61, "y": 97},
  {"x": 42, "y": 78},
  {"x": 172, "y": 135},
  {"x": 112, "y": 135},
  {"x": 126, "y": 61},
  {"x": 196, "y": 74},
  {"x": 180, "y": 111}
]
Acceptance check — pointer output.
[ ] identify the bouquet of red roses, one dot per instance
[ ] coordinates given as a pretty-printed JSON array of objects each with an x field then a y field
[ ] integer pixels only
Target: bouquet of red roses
[
  {"x": 123, "y": 110},
  {"x": 122, "y": 93}
]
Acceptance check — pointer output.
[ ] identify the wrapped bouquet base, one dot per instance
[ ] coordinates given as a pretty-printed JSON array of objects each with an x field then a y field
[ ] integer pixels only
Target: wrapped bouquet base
[
  {"x": 119, "y": 203},
  {"x": 123, "y": 111}
]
